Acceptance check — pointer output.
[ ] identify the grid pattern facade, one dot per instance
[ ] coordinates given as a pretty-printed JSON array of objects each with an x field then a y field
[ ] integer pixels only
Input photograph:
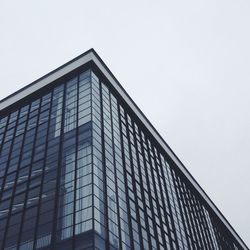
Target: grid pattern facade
[{"x": 78, "y": 170}]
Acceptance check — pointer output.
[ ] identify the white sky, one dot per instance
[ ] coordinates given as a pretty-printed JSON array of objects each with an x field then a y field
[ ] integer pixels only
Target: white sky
[{"x": 185, "y": 63}]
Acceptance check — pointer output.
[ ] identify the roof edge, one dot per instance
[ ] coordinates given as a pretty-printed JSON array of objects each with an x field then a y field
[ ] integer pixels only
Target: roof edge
[{"x": 46, "y": 79}]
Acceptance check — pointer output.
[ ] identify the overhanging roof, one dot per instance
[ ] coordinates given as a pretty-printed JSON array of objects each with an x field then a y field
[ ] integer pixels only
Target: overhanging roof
[{"x": 92, "y": 56}]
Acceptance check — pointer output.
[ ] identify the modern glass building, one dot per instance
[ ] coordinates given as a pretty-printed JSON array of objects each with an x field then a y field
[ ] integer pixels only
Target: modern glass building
[{"x": 81, "y": 167}]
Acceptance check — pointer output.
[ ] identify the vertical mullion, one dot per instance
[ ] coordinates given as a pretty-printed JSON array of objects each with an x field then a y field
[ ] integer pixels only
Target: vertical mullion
[
  {"x": 189, "y": 212},
  {"x": 159, "y": 170},
  {"x": 104, "y": 172},
  {"x": 192, "y": 213},
  {"x": 59, "y": 165},
  {"x": 125, "y": 180},
  {"x": 110, "y": 208},
  {"x": 203, "y": 217},
  {"x": 5, "y": 176},
  {"x": 1, "y": 147},
  {"x": 92, "y": 155},
  {"x": 29, "y": 178},
  {"x": 76, "y": 162},
  {"x": 4, "y": 131},
  {"x": 152, "y": 160},
  {"x": 145, "y": 149},
  {"x": 179, "y": 204},
  {"x": 141, "y": 184},
  {"x": 192, "y": 221},
  {"x": 42, "y": 179},
  {"x": 210, "y": 228},
  {"x": 165, "y": 179},
  {"x": 198, "y": 210},
  {"x": 133, "y": 177},
  {"x": 9, "y": 155},
  {"x": 115, "y": 180},
  {"x": 199, "y": 221},
  {"x": 217, "y": 233},
  {"x": 172, "y": 208},
  {"x": 182, "y": 198}
]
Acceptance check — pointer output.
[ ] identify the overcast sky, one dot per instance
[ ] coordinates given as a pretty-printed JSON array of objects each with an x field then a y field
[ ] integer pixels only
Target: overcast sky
[{"x": 185, "y": 63}]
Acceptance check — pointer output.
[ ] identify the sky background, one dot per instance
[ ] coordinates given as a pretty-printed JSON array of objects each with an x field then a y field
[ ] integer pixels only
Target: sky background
[{"x": 185, "y": 63}]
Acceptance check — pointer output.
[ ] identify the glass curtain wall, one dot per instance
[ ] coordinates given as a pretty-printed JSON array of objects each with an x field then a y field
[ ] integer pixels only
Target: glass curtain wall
[
  {"x": 46, "y": 168},
  {"x": 77, "y": 161},
  {"x": 141, "y": 201}
]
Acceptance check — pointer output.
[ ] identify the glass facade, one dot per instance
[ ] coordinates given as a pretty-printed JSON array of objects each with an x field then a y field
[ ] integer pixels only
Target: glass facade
[{"x": 79, "y": 170}]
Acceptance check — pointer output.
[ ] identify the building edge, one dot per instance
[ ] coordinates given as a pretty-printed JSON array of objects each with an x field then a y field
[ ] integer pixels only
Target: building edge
[{"x": 92, "y": 56}]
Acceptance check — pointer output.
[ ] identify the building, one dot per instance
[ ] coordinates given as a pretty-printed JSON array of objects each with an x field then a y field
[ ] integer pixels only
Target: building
[{"x": 81, "y": 167}]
